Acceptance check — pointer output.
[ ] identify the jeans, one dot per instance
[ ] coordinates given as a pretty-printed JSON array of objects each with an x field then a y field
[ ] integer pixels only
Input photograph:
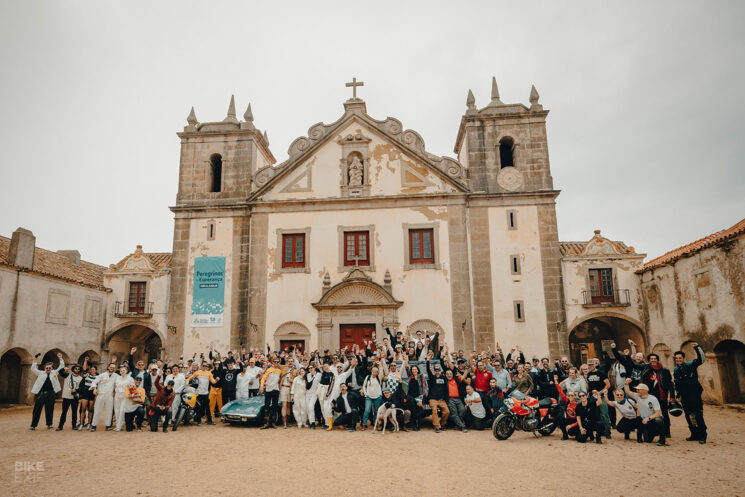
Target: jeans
[
  {"x": 371, "y": 407},
  {"x": 203, "y": 407},
  {"x": 157, "y": 413},
  {"x": 134, "y": 418},
  {"x": 271, "y": 400},
  {"x": 67, "y": 404},
  {"x": 348, "y": 419},
  {"x": 457, "y": 412}
]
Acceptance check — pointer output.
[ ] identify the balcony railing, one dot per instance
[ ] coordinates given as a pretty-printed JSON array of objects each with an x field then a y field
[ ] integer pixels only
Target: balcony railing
[
  {"x": 123, "y": 309},
  {"x": 620, "y": 298}
]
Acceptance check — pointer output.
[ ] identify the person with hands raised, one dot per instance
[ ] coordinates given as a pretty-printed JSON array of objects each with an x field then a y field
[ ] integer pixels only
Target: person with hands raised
[{"x": 45, "y": 388}]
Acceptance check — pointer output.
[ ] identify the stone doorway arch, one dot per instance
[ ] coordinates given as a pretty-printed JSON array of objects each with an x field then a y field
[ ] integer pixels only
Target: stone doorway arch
[
  {"x": 730, "y": 361},
  {"x": 15, "y": 377},
  {"x": 291, "y": 333},
  {"x": 595, "y": 333},
  {"x": 149, "y": 343},
  {"x": 357, "y": 299}
]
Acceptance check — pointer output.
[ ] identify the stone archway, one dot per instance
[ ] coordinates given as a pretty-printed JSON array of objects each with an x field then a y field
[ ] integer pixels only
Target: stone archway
[
  {"x": 148, "y": 341},
  {"x": 730, "y": 358},
  {"x": 589, "y": 337},
  {"x": 665, "y": 354},
  {"x": 15, "y": 376},
  {"x": 356, "y": 300},
  {"x": 291, "y": 333}
]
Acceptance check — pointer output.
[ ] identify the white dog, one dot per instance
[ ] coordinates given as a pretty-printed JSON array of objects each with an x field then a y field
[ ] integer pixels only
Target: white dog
[{"x": 387, "y": 411}]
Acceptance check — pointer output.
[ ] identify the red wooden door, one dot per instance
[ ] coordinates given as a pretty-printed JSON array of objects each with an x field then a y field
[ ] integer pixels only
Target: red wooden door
[
  {"x": 350, "y": 334},
  {"x": 601, "y": 285},
  {"x": 287, "y": 344}
]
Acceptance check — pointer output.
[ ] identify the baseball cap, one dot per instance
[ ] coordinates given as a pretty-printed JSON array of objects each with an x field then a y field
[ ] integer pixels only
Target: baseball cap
[{"x": 642, "y": 386}]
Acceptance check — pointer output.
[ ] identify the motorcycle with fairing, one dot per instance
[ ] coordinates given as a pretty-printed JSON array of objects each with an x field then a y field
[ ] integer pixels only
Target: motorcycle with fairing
[{"x": 525, "y": 413}]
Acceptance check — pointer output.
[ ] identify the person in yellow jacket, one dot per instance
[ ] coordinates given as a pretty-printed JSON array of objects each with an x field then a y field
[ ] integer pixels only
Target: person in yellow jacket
[{"x": 270, "y": 388}]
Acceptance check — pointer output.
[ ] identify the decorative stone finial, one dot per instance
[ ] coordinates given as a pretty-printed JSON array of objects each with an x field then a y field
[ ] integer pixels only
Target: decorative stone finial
[
  {"x": 230, "y": 118},
  {"x": 192, "y": 118},
  {"x": 471, "y": 101},
  {"x": 495, "y": 92},
  {"x": 249, "y": 119},
  {"x": 597, "y": 232},
  {"x": 387, "y": 281},
  {"x": 266, "y": 138},
  {"x": 326, "y": 281},
  {"x": 534, "y": 96}
]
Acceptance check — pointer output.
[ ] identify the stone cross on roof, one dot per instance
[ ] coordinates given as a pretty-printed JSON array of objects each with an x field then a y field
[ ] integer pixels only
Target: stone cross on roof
[{"x": 354, "y": 84}]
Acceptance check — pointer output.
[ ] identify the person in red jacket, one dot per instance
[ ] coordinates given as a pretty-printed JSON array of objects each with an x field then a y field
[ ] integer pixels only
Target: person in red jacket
[
  {"x": 161, "y": 404},
  {"x": 568, "y": 419}
]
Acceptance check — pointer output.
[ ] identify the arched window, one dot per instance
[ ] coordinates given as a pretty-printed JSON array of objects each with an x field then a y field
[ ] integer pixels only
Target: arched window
[
  {"x": 506, "y": 147},
  {"x": 216, "y": 170}
]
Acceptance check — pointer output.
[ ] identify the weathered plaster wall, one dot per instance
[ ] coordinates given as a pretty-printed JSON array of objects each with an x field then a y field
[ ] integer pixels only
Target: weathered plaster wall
[
  {"x": 699, "y": 298},
  {"x": 385, "y": 176},
  {"x": 425, "y": 292}
]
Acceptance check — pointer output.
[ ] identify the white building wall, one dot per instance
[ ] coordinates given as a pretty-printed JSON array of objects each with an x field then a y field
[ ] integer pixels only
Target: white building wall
[{"x": 526, "y": 287}]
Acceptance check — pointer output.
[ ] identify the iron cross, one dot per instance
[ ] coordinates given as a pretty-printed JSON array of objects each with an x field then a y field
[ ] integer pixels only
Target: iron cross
[{"x": 354, "y": 84}]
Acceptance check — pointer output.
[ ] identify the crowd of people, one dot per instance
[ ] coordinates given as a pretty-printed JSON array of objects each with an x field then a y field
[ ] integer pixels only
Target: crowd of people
[{"x": 417, "y": 375}]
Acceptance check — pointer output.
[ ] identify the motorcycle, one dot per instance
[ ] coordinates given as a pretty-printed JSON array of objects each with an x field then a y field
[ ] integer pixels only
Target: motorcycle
[
  {"x": 521, "y": 412},
  {"x": 187, "y": 408}
]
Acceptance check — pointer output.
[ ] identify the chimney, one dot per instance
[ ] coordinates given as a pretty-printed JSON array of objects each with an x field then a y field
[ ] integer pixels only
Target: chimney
[
  {"x": 73, "y": 255},
  {"x": 22, "y": 246}
]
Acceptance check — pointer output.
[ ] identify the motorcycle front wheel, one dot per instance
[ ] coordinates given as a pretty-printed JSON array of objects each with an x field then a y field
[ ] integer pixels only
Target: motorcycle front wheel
[
  {"x": 503, "y": 427},
  {"x": 548, "y": 429},
  {"x": 179, "y": 417}
]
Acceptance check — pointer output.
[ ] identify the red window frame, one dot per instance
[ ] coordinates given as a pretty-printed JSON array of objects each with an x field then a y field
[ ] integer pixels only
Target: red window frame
[
  {"x": 293, "y": 250},
  {"x": 353, "y": 241},
  {"x": 601, "y": 285},
  {"x": 421, "y": 246}
]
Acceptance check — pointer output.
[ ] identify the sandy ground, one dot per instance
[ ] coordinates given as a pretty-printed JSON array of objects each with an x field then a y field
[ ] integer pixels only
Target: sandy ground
[{"x": 236, "y": 460}]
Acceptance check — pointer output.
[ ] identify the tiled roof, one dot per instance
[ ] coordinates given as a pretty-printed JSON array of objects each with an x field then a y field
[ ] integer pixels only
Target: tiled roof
[
  {"x": 698, "y": 245},
  {"x": 58, "y": 266},
  {"x": 161, "y": 260},
  {"x": 573, "y": 249}
]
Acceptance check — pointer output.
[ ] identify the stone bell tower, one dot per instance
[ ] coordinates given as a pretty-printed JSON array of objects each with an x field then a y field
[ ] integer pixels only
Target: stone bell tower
[
  {"x": 218, "y": 161},
  {"x": 505, "y": 150}
]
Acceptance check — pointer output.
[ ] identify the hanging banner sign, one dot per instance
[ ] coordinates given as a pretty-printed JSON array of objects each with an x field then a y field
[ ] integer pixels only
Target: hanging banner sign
[{"x": 208, "y": 301}]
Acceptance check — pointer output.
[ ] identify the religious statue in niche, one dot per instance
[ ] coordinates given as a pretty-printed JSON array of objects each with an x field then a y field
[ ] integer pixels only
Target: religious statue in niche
[{"x": 356, "y": 172}]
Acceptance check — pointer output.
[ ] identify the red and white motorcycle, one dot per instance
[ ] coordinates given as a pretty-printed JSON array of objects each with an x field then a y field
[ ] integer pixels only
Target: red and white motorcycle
[{"x": 521, "y": 412}]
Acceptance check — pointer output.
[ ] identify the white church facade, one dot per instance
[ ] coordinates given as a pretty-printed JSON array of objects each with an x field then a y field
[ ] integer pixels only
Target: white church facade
[{"x": 361, "y": 229}]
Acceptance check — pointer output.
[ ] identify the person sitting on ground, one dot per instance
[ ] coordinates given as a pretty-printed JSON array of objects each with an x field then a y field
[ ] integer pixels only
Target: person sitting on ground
[
  {"x": 347, "y": 405},
  {"x": 134, "y": 405}
]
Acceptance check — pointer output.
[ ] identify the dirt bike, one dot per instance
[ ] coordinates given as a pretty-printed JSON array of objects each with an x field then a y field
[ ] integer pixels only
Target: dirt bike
[
  {"x": 187, "y": 408},
  {"x": 521, "y": 412}
]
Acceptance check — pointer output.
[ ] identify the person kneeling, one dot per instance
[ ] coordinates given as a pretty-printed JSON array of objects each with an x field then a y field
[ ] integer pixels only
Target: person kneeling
[
  {"x": 134, "y": 405},
  {"x": 161, "y": 405},
  {"x": 475, "y": 408},
  {"x": 630, "y": 420},
  {"x": 650, "y": 412},
  {"x": 346, "y": 404},
  {"x": 588, "y": 417}
]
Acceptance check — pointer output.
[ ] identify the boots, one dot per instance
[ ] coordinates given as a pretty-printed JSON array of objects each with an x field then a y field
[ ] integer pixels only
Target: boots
[
  {"x": 598, "y": 439},
  {"x": 330, "y": 421}
]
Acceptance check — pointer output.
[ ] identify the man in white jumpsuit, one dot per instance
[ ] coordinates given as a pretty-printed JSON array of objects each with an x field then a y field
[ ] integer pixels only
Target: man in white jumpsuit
[
  {"x": 103, "y": 388},
  {"x": 311, "y": 395}
]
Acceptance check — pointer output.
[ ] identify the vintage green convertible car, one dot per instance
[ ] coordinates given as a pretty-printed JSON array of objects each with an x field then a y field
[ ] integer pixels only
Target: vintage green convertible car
[{"x": 243, "y": 411}]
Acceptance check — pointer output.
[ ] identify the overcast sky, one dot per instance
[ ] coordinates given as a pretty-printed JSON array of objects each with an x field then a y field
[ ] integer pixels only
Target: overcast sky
[{"x": 646, "y": 98}]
